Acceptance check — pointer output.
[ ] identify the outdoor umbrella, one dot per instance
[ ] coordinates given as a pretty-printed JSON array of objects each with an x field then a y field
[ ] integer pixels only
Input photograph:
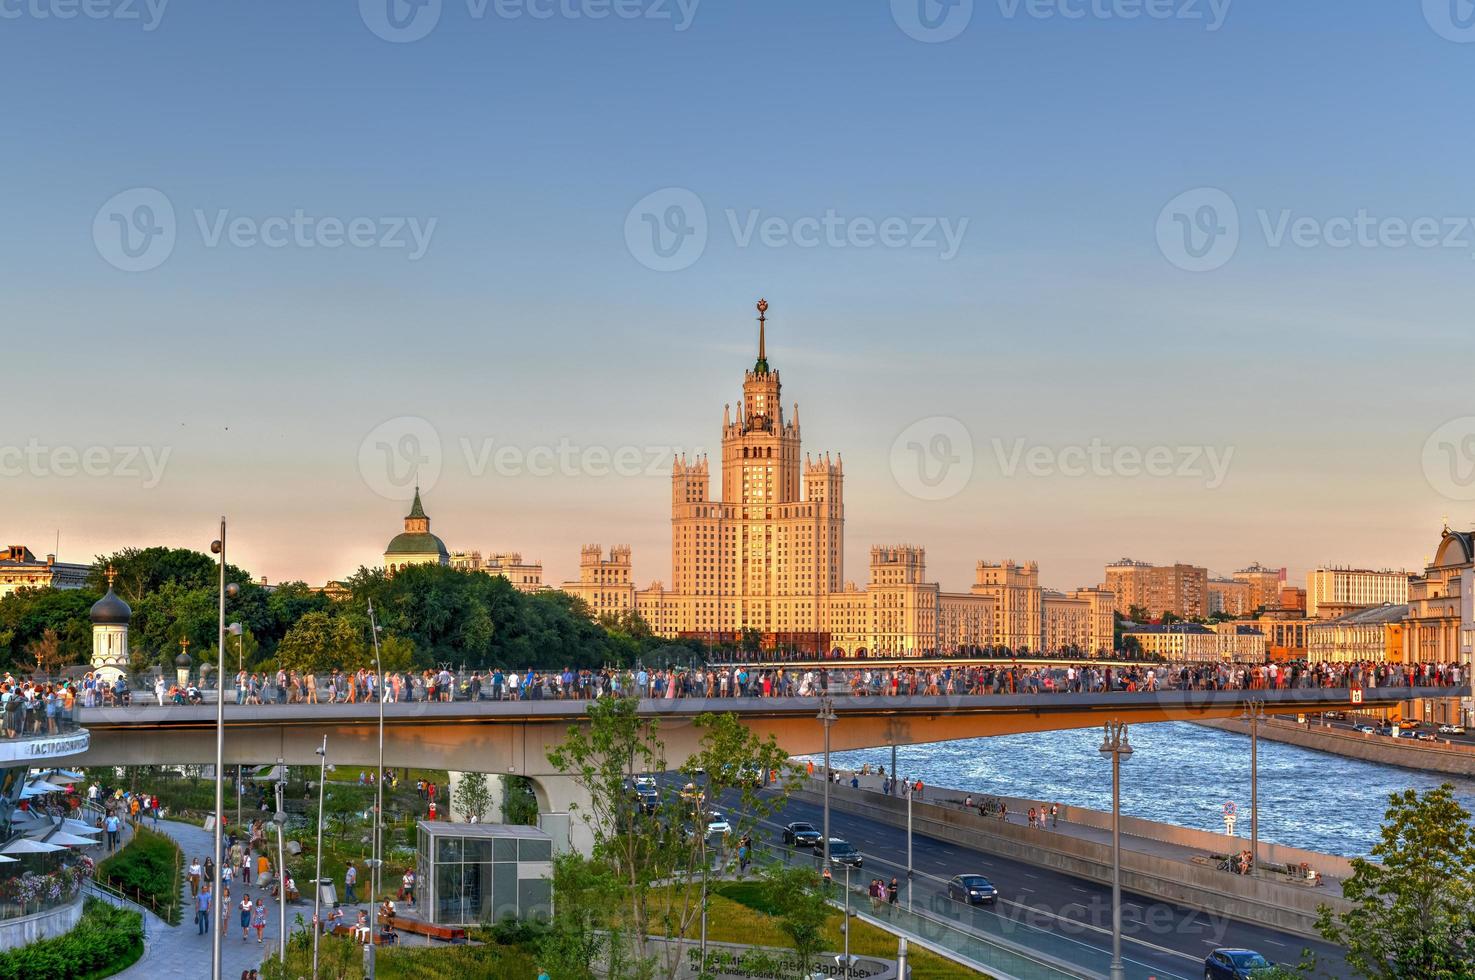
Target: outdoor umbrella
[{"x": 25, "y": 845}]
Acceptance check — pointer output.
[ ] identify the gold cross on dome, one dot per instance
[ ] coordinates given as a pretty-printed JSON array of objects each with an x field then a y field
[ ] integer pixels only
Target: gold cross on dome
[
  {"x": 111, "y": 573},
  {"x": 184, "y": 644}
]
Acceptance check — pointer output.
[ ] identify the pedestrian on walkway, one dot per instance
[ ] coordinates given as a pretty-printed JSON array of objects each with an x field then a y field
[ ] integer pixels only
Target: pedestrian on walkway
[
  {"x": 202, "y": 911},
  {"x": 246, "y": 906},
  {"x": 194, "y": 877},
  {"x": 350, "y": 879},
  {"x": 258, "y": 919},
  {"x": 113, "y": 825}
]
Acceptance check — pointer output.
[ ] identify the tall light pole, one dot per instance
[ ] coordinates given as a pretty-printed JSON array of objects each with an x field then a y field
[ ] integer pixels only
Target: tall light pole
[
  {"x": 1254, "y": 711},
  {"x": 827, "y": 718},
  {"x": 375, "y": 876},
  {"x": 1114, "y": 745},
  {"x": 317, "y": 880},
  {"x": 217, "y": 898},
  {"x": 280, "y": 819}
]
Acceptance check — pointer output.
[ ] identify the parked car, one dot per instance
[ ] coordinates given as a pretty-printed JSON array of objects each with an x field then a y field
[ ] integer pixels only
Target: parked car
[
  {"x": 1427, "y": 737},
  {"x": 1451, "y": 729},
  {"x": 843, "y": 852},
  {"x": 1365, "y": 729},
  {"x": 972, "y": 890},
  {"x": 800, "y": 834},
  {"x": 1235, "y": 964}
]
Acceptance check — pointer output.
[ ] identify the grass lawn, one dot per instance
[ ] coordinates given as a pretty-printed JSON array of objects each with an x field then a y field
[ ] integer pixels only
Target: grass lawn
[
  {"x": 148, "y": 869},
  {"x": 342, "y": 959}
]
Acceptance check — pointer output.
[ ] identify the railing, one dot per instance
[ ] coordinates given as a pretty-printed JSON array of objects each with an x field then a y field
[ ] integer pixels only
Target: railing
[{"x": 993, "y": 943}]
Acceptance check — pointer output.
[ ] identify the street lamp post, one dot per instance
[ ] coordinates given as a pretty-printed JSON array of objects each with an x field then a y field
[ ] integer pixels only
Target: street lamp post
[
  {"x": 1254, "y": 711},
  {"x": 1114, "y": 744},
  {"x": 217, "y": 898},
  {"x": 317, "y": 881},
  {"x": 234, "y": 629},
  {"x": 375, "y": 875},
  {"x": 827, "y": 718},
  {"x": 280, "y": 819}
]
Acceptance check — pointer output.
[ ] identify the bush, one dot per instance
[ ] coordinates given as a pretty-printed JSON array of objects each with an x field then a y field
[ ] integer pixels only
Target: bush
[
  {"x": 105, "y": 941},
  {"x": 150, "y": 870}
]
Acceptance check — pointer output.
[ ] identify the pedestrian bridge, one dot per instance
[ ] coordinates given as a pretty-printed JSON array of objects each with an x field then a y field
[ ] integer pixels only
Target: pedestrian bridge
[{"x": 514, "y": 736}]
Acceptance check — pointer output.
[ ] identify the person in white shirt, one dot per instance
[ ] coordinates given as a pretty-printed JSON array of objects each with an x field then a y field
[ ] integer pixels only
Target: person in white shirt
[{"x": 159, "y": 690}]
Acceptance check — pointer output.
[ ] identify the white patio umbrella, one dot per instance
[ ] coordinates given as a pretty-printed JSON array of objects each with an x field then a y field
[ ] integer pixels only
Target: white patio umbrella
[
  {"x": 66, "y": 840},
  {"x": 31, "y": 790},
  {"x": 64, "y": 774},
  {"x": 25, "y": 845}
]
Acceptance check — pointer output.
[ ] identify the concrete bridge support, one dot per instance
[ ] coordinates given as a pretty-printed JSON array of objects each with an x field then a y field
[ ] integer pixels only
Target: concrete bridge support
[{"x": 564, "y": 812}]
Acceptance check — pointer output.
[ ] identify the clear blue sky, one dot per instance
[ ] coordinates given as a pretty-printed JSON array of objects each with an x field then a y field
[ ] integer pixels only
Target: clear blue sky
[{"x": 529, "y": 322}]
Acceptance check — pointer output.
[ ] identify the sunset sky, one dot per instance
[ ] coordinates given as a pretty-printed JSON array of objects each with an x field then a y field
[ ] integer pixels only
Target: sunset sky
[{"x": 503, "y": 175}]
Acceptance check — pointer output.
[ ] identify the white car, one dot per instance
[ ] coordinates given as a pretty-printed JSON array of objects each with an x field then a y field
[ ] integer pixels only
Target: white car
[
  {"x": 1451, "y": 729},
  {"x": 717, "y": 824}
]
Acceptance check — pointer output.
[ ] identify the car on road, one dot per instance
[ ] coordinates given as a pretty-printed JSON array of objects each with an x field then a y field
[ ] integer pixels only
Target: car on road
[
  {"x": 1427, "y": 737},
  {"x": 647, "y": 798},
  {"x": 645, "y": 779},
  {"x": 1365, "y": 729},
  {"x": 844, "y": 852},
  {"x": 717, "y": 824},
  {"x": 972, "y": 890},
  {"x": 801, "y": 834},
  {"x": 1451, "y": 729},
  {"x": 1235, "y": 964}
]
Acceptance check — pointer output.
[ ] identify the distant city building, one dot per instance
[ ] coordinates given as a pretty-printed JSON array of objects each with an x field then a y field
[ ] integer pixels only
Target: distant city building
[
  {"x": 525, "y": 576},
  {"x": 415, "y": 545},
  {"x": 20, "y": 569},
  {"x": 1229, "y": 597},
  {"x": 1333, "y": 592},
  {"x": 1193, "y": 642},
  {"x": 1293, "y": 597},
  {"x": 1264, "y": 586},
  {"x": 767, "y": 557},
  {"x": 1180, "y": 589},
  {"x": 1441, "y": 604},
  {"x": 1372, "y": 634}
]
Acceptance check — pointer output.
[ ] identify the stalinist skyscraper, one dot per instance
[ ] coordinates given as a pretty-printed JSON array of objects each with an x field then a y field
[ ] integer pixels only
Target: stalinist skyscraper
[{"x": 768, "y": 555}]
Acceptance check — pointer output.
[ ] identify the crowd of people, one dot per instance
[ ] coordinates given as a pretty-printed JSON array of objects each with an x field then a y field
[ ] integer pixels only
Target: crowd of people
[{"x": 738, "y": 681}]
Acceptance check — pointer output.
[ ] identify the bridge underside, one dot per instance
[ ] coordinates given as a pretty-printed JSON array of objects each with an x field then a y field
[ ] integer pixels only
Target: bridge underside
[{"x": 514, "y": 737}]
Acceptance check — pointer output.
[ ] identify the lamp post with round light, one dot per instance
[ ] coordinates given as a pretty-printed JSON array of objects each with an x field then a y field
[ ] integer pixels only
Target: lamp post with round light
[
  {"x": 1114, "y": 745},
  {"x": 217, "y": 899}
]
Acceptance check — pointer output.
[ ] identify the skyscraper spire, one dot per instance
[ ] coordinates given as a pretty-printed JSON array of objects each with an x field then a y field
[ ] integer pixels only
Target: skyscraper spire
[{"x": 762, "y": 366}]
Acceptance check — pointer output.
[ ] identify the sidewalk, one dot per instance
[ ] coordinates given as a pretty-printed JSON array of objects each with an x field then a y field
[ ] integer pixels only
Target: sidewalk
[{"x": 179, "y": 952}]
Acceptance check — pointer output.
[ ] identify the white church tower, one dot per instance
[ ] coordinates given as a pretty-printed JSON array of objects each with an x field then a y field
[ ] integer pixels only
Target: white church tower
[{"x": 110, "y": 618}]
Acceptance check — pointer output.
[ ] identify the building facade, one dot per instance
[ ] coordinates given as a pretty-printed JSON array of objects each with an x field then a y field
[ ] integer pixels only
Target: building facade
[
  {"x": 525, "y": 576},
  {"x": 1263, "y": 585},
  {"x": 1229, "y": 597},
  {"x": 1196, "y": 643},
  {"x": 1180, "y": 589},
  {"x": 765, "y": 555},
  {"x": 1365, "y": 635},
  {"x": 1332, "y": 591},
  {"x": 20, "y": 569}
]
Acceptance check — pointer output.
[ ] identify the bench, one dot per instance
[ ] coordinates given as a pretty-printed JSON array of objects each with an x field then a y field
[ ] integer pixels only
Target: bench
[
  {"x": 348, "y": 932},
  {"x": 449, "y": 934}
]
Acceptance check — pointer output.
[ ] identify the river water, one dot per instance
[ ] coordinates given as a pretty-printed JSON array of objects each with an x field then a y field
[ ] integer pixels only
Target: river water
[{"x": 1181, "y": 774}]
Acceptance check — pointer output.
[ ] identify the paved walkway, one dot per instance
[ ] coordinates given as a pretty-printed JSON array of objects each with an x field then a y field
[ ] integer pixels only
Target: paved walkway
[{"x": 179, "y": 952}]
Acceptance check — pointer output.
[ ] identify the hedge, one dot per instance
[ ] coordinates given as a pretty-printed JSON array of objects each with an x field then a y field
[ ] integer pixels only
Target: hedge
[
  {"x": 106, "y": 940},
  {"x": 149, "y": 870}
]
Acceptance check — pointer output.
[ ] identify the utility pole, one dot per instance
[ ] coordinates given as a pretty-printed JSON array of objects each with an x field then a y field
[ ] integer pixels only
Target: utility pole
[
  {"x": 317, "y": 882},
  {"x": 1254, "y": 711},
  {"x": 1114, "y": 745},
  {"x": 827, "y": 718}
]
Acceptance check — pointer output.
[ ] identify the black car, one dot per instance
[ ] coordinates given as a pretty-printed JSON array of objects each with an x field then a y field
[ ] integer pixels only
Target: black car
[
  {"x": 972, "y": 889},
  {"x": 648, "y": 799},
  {"x": 1234, "y": 964},
  {"x": 843, "y": 852},
  {"x": 801, "y": 835}
]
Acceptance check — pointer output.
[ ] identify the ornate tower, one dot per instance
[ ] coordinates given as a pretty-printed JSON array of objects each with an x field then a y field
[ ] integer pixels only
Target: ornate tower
[{"x": 110, "y": 618}]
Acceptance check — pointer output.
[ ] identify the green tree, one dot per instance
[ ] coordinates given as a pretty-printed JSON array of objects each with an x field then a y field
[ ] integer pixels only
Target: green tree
[
  {"x": 473, "y": 797},
  {"x": 519, "y": 803},
  {"x": 794, "y": 894},
  {"x": 582, "y": 932},
  {"x": 670, "y": 847},
  {"x": 321, "y": 641},
  {"x": 1413, "y": 909}
]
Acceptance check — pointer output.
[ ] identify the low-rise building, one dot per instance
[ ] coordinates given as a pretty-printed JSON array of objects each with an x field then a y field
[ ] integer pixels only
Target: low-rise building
[
  {"x": 1358, "y": 636},
  {"x": 525, "y": 576},
  {"x": 1196, "y": 643}
]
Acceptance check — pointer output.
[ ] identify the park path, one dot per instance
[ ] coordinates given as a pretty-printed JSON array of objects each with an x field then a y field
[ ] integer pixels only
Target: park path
[{"x": 179, "y": 952}]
